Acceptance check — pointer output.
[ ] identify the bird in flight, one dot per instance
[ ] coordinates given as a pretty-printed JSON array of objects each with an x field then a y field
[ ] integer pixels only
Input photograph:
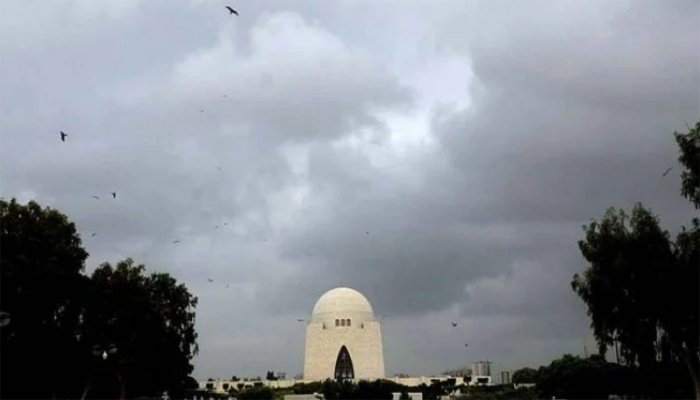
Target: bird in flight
[
  {"x": 96, "y": 197},
  {"x": 667, "y": 171},
  {"x": 454, "y": 324},
  {"x": 210, "y": 280},
  {"x": 300, "y": 320},
  {"x": 216, "y": 226},
  {"x": 227, "y": 286},
  {"x": 94, "y": 234},
  {"x": 231, "y": 11},
  {"x": 366, "y": 232},
  {"x": 114, "y": 195},
  {"x": 176, "y": 241},
  {"x": 466, "y": 345},
  {"x": 63, "y": 136}
]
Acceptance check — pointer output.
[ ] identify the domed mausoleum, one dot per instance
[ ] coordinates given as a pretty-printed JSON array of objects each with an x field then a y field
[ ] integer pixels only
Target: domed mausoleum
[{"x": 343, "y": 339}]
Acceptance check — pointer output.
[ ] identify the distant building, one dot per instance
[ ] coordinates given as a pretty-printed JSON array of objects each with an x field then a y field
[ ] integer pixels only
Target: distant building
[
  {"x": 481, "y": 368},
  {"x": 505, "y": 377}
]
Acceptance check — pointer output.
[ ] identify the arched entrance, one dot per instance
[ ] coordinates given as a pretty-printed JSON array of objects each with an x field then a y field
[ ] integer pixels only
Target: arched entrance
[{"x": 343, "y": 365}]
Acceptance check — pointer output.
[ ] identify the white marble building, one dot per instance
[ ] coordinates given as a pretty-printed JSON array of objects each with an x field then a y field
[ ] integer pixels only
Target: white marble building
[{"x": 343, "y": 339}]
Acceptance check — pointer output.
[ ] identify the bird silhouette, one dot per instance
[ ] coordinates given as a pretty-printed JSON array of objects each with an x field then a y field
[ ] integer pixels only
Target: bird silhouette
[
  {"x": 63, "y": 136},
  {"x": 114, "y": 195},
  {"x": 454, "y": 324},
  {"x": 231, "y": 11},
  {"x": 300, "y": 320},
  {"x": 96, "y": 197},
  {"x": 227, "y": 286},
  {"x": 216, "y": 226},
  {"x": 225, "y": 223},
  {"x": 93, "y": 234},
  {"x": 667, "y": 171},
  {"x": 466, "y": 345},
  {"x": 366, "y": 232},
  {"x": 176, "y": 241},
  {"x": 210, "y": 280}
]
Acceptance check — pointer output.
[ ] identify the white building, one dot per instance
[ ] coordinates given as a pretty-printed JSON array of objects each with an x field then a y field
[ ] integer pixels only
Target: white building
[{"x": 343, "y": 339}]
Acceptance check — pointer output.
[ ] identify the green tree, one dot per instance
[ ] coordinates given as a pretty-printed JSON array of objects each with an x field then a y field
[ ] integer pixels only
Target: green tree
[
  {"x": 256, "y": 393},
  {"x": 41, "y": 260},
  {"x": 525, "y": 375},
  {"x": 573, "y": 377},
  {"x": 689, "y": 144},
  {"x": 150, "y": 320},
  {"x": 640, "y": 287}
]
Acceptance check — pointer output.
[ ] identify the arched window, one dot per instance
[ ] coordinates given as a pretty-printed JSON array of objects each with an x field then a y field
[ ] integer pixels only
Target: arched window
[
  {"x": 337, "y": 322},
  {"x": 348, "y": 323},
  {"x": 343, "y": 365},
  {"x": 342, "y": 322}
]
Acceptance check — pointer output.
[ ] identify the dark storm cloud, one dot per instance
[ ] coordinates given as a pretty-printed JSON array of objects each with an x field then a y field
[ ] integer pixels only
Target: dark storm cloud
[{"x": 261, "y": 122}]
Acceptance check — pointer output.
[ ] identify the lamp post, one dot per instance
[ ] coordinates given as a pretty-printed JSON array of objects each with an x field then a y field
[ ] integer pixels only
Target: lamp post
[{"x": 103, "y": 353}]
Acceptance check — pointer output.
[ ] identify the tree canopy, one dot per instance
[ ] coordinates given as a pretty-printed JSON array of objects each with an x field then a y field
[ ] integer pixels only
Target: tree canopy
[
  {"x": 63, "y": 322},
  {"x": 641, "y": 288},
  {"x": 524, "y": 375}
]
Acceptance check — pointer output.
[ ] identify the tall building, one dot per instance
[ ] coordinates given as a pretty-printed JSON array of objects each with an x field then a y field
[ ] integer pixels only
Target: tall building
[
  {"x": 481, "y": 368},
  {"x": 505, "y": 377},
  {"x": 343, "y": 339}
]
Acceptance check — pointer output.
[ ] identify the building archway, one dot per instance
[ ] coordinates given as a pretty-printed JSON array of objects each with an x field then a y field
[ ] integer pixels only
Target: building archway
[{"x": 343, "y": 365}]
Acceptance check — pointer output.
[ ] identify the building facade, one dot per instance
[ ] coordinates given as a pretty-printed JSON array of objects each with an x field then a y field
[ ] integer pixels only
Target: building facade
[
  {"x": 505, "y": 377},
  {"x": 343, "y": 338}
]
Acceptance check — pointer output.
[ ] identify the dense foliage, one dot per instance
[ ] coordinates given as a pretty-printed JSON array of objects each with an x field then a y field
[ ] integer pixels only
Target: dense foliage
[
  {"x": 524, "y": 375},
  {"x": 641, "y": 288},
  {"x": 63, "y": 322}
]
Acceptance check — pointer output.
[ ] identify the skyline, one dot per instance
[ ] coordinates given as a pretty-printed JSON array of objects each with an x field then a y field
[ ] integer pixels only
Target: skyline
[{"x": 439, "y": 159}]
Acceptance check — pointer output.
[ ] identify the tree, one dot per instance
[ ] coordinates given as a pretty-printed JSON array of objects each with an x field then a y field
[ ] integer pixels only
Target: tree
[
  {"x": 525, "y": 375},
  {"x": 637, "y": 283},
  {"x": 150, "y": 319},
  {"x": 689, "y": 144},
  {"x": 41, "y": 261},
  {"x": 256, "y": 393},
  {"x": 573, "y": 377}
]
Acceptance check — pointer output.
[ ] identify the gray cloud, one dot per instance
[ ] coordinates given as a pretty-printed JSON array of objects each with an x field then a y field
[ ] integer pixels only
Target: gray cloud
[{"x": 441, "y": 159}]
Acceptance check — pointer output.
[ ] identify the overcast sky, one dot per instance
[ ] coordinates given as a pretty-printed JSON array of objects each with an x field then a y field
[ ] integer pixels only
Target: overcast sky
[{"x": 439, "y": 157}]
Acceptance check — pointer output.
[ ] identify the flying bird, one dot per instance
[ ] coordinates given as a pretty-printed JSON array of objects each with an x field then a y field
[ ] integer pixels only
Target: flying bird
[
  {"x": 300, "y": 320},
  {"x": 96, "y": 197},
  {"x": 366, "y": 232},
  {"x": 216, "y": 226},
  {"x": 210, "y": 280},
  {"x": 667, "y": 171},
  {"x": 227, "y": 286},
  {"x": 176, "y": 241},
  {"x": 63, "y": 136},
  {"x": 93, "y": 234},
  {"x": 454, "y": 324},
  {"x": 466, "y": 345},
  {"x": 231, "y": 11},
  {"x": 114, "y": 195},
  {"x": 225, "y": 223}
]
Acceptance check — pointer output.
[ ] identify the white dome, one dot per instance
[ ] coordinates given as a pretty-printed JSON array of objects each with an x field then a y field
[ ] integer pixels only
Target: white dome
[{"x": 342, "y": 301}]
